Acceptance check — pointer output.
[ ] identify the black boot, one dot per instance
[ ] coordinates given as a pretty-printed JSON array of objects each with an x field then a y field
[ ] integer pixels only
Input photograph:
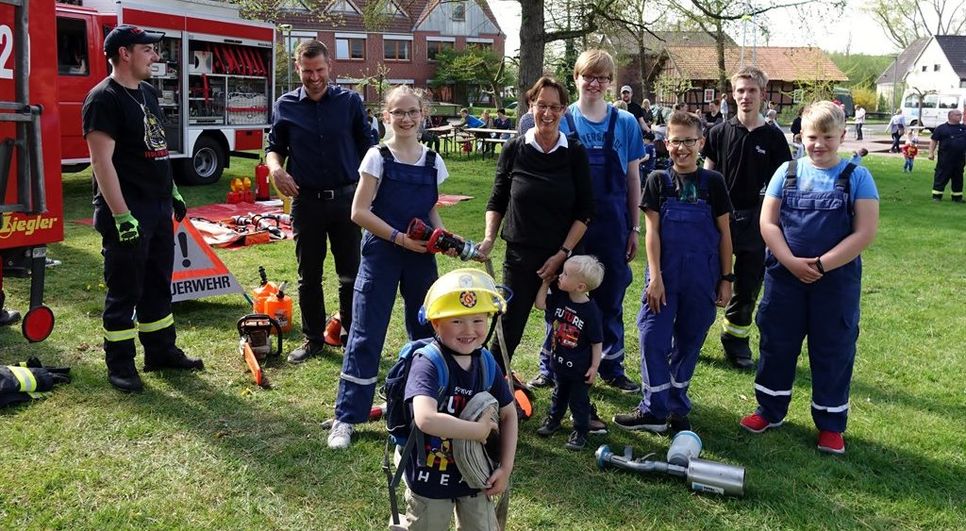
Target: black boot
[
  {"x": 737, "y": 351},
  {"x": 124, "y": 377},
  {"x": 175, "y": 359}
]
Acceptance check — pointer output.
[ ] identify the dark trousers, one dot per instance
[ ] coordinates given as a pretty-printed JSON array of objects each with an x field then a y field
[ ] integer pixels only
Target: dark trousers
[
  {"x": 314, "y": 221},
  {"x": 749, "y": 251},
  {"x": 858, "y": 131},
  {"x": 946, "y": 171},
  {"x": 896, "y": 140},
  {"x": 520, "y": 275},
  {"x": 576, "y": 394},
  {"x": 138, "y": 279}
]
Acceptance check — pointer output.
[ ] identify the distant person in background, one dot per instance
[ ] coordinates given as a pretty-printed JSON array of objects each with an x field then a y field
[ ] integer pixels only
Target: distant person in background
[
  {"x": 648, "y": 113},
  {"x": 771, "y": 118},
  {"x": 724, "y": 106},
  {"x": 896, "y": 128},
  {"x": 626, "y": 96},
  {"x": 649, "y": 160},
  {"x": 713, "y": 117},
  {"x": 430, "y": 138},
  {"x": 374, "y": 125},
  {"x": 620, "y": 105},
  {"x": 502, "y": 121},
  {"x": 909, "y": 152},
  {"x": 796, "y": 127},
  {"x": 798, "y": 149},
  {"x": 859, "y": 121},
  {"x": 950, "y": 139}
]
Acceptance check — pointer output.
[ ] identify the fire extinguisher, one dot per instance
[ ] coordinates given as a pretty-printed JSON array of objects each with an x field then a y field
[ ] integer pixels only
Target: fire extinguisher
[{"x": 261, "y": 182}]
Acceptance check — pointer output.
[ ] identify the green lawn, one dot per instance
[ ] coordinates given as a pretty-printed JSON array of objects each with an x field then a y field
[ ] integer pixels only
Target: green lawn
[{"x": 208, "y": 450}]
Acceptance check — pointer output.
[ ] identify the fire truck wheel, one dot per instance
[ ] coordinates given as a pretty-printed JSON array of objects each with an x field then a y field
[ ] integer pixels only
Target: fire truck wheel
[{"x": 205, "y": 165}]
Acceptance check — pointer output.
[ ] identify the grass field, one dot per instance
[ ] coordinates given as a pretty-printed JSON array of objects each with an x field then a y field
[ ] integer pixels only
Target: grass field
[{"x": 208, "y": 450}]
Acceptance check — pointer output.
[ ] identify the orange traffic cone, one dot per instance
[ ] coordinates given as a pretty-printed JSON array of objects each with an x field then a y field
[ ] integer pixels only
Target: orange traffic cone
[{"x": 333, "y": 331}]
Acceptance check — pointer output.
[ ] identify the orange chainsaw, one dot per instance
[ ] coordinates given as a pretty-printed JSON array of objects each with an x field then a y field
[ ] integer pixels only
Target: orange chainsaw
[{"x": 255, "y": 344}]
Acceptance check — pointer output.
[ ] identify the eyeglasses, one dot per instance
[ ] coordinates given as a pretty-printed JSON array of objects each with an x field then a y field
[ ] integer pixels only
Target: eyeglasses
[
  {"x": 401, "y": 114},
  {"x": 601, "y": 80},
  {"x": 686, "y": 142},
  {"x": 543, "y": 107}
]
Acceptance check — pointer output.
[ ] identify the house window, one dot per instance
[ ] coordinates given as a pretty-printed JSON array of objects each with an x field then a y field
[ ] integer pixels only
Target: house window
[
  {"x": 935, "y": 68},
  {"x": 798, "y": 95},
  {"x": 708, "y": 95},
  {"x": 350, "y": 49},
  {"x": 459, "y": 12},
  {"x": 924, "y": 67},
  {"x": 434, "y": 47},
  {"x": 962, "y": 83},
  {"x": 396, "y": 50}
]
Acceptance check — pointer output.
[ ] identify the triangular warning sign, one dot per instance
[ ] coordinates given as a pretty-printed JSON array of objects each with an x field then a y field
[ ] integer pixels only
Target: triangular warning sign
[{"x": 198, "y": 272}]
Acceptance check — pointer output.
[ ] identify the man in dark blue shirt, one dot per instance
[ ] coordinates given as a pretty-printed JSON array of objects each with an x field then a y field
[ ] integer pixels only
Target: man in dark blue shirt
[
  {"x": 950, "y": 138},
  {"x": 322, "y": 133}
]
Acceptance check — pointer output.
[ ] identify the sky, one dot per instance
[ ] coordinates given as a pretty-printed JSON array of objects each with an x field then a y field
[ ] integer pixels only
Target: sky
[{"x": 853, "y": 30}]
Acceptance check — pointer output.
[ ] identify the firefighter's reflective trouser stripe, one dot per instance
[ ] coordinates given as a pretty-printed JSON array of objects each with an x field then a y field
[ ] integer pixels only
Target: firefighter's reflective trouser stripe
[{"x": 138, "y": 280}]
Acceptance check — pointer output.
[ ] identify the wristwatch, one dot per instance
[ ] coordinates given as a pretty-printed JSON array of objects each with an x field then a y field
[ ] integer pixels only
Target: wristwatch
[
  {"x": 566, "y": 251},
  {"x": 636, "y": 228},
  {"x": 730, "y": 277}
]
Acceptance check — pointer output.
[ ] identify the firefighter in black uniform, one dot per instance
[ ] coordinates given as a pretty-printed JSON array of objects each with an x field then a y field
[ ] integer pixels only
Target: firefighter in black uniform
[
  {"x": 7, "y": 317},
  {"x": 134, "y": 200},
  {"x": 950, "y": 138},
  {"x": 747, "y": 152}
]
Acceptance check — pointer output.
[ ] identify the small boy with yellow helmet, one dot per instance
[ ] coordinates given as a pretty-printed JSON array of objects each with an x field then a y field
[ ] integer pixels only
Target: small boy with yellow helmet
[{"x": 459, "y": 305}]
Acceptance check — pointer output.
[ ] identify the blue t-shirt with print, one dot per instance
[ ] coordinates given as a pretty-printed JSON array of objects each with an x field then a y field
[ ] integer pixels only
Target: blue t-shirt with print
[
  {"x": 628, "y": 141},
  {"x": 574, "y": 327},
  {"x": 810, "y": 178},
  {"x": 440, "y": 478}
]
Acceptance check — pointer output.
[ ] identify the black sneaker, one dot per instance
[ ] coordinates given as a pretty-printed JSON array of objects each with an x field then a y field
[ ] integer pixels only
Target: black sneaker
[
  {"x": 307, "y": 350},
  {"x": 125, "y": 378},
  {"x": 679, "y": 423},
  {"x": 637, "y": 421},
  {"x": 8, "y": 317},
  {"x": 541, "y": 381},
  {"x": 595, "y": 426},
  {"x": 623, "y": 384},
  {"x": 737, "y": 351},
  {"x": 549, "y": 427},
  {"x": 577, "y": 441}
]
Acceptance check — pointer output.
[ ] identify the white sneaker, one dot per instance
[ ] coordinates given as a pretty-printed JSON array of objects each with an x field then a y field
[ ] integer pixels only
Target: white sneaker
[{"x": 340, "y": 436}]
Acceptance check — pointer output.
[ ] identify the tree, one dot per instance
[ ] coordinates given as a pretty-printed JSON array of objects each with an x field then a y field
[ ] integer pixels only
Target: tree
[
  {"x": 473, "y": 66},
  {"x": 904, "y": 21}
]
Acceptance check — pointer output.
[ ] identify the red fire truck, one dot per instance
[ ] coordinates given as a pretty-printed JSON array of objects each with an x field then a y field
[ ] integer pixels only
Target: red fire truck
[
  {"x": 215, "y": 79},
  {"x": 31, "y": 207}
]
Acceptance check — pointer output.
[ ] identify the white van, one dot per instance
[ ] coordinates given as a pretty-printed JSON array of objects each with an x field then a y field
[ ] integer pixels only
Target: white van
[{"x": 935, "y": 107}]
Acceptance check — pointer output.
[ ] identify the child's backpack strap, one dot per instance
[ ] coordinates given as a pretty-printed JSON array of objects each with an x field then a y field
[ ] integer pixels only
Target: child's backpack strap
[
  {"x": 431, "y": 352},
  {"x": 791, "y": 175},
  {"x": 490, "y": 368}
]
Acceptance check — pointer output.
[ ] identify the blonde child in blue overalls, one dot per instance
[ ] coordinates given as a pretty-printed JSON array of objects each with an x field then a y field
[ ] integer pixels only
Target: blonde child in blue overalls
[
  {"x": 819, "y": 213},
  {"x": 398, "y": 182}
]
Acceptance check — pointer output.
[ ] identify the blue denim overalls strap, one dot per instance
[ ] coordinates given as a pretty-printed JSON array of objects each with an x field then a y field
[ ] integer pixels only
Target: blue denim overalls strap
[
  {"x": 405, "y": 192},
  {"x": 690, "y": 268},
  {"x": 814, "y": 222}
]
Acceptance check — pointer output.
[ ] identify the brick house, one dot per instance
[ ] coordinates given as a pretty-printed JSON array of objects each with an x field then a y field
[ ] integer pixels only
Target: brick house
[
  {"x": 787, "y": 69},
  {"x": 411, "y": 33}
]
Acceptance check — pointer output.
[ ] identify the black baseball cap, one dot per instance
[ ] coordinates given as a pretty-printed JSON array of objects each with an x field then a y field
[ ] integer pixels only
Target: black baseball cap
[{"x": 126, "y": 35}]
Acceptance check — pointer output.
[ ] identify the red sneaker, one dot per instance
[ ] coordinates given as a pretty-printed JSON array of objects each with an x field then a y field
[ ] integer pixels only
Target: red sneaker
[
  {"x": 756, "y": 423},
  {"x": 831, "y": 442}
]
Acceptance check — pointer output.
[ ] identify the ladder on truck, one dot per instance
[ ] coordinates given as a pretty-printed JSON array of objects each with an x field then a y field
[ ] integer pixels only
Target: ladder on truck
[{"x": 27, "y": 145}]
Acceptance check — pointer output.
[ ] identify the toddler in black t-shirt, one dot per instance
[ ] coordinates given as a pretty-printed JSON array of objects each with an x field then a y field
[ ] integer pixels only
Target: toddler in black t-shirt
[{"x": 576, "y": 336}]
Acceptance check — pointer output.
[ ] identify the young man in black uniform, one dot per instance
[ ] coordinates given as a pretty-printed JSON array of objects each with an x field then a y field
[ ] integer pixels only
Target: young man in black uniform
[
  {"x": 134, "y": 198},
  {"x": 747, "y": 153},
  {"x": 950, "y": 138}
]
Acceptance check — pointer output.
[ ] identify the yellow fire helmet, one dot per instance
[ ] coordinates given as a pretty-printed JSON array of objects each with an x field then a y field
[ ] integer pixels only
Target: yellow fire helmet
[{"x": 463, "y": 292}]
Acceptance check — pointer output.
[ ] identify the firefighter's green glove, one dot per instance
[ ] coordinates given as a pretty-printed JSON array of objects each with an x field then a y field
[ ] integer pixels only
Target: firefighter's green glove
[
  {"x": 178, "y": 204},
  {"x": 128, "y": 229}
]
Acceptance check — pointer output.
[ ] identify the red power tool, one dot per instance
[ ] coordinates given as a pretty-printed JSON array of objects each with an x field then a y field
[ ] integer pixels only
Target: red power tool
[{"x": 440, "y": 241}]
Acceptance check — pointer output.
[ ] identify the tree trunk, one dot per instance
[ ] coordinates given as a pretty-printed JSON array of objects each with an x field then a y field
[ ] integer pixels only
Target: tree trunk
[
  {"x": 719, "y": 44},
  {"x": 532, "y": 40}
]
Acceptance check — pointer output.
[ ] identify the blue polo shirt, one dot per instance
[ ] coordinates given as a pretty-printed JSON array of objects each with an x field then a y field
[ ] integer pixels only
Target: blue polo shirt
[{"x": 324, "y": 141}]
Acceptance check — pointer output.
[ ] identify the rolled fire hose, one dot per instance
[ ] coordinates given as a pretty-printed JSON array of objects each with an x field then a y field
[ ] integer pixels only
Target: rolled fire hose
[{"x": 473, "y": 458}]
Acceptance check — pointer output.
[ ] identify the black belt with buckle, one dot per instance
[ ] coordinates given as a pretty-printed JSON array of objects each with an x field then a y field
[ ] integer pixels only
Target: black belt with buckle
[{"x": 328, "y": 195}]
